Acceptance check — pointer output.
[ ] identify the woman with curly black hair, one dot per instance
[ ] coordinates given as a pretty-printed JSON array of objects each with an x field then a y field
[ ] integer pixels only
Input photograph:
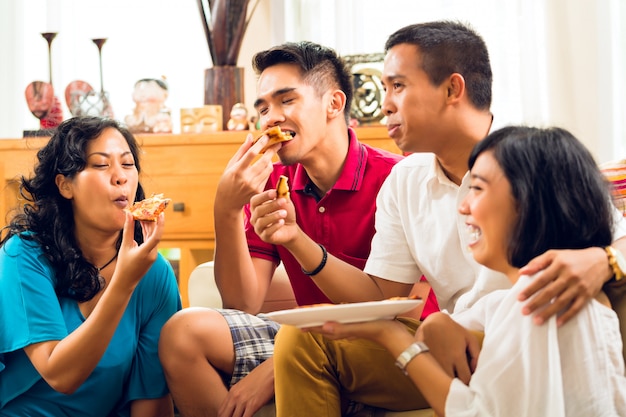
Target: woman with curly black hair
[{"x": 83, "y": 290}]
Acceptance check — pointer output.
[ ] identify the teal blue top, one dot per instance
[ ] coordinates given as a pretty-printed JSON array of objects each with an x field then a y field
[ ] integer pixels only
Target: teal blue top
[{"x": 31, "y": 312}]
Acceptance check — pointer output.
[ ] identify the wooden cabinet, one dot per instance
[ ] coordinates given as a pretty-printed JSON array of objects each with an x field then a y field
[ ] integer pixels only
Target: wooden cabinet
[{"x": 185, "y": 167}]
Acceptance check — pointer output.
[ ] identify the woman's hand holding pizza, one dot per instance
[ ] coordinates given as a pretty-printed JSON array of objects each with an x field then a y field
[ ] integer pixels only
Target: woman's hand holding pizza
[{"x": 135, "y": 260}]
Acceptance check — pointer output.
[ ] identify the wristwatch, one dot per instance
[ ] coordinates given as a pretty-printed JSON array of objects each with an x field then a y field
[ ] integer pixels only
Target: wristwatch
[
  {"x": 409, "y": 354},
  {"x": 617, "y": 262}
]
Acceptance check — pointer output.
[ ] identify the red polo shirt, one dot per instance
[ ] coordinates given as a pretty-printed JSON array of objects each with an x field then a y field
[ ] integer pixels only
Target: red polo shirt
[{"x": 342, "y": 220}]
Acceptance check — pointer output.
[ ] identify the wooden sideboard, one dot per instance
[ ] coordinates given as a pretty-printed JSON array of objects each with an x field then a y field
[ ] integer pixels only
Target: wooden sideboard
[{"x": 185, "y": 167}]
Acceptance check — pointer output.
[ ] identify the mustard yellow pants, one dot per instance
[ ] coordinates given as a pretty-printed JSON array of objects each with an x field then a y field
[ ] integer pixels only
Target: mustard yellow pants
[{"x": 316, "y": 376}]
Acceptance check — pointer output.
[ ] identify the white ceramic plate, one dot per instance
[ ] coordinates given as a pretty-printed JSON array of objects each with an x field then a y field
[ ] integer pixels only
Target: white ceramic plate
[{"x": 343, "y": 313}]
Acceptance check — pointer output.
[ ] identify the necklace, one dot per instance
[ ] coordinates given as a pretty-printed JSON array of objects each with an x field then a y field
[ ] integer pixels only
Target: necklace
[{"x": 100, "y": 277}]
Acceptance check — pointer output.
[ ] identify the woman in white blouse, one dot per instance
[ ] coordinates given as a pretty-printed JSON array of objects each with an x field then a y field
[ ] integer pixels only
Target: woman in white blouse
[{"x": 531, "y": 190}]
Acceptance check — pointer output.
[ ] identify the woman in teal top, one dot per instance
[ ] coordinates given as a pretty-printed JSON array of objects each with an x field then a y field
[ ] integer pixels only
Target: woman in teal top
[{"x": 83, "y": 290}]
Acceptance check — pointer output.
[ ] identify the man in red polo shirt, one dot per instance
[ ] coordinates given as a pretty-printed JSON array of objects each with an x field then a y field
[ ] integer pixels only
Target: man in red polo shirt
[{"x": 306, "y": 89}]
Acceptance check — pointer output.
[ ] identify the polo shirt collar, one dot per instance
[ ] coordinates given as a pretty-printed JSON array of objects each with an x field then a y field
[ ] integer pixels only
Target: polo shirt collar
[{"x": 436, "y": 172}]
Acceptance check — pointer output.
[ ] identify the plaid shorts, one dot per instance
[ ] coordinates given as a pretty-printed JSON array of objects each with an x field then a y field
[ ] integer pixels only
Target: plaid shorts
[{"x": 253, "y": 339}]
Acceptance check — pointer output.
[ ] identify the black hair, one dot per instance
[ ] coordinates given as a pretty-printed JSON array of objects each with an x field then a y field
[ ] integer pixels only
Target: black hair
[
  {"x": 563, "y": 200},
  {"x": 321, "y": 67},
  {"x": 450, "y": 47},
  {"x": 47, "y": 217}
]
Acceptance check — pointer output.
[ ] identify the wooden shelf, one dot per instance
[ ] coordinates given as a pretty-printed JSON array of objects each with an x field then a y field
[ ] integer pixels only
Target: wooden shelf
[{"x": 185, "y": 167}]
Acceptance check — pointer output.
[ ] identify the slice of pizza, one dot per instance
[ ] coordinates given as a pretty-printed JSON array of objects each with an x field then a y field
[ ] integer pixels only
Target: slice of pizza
[
  {"x": 282, "y": 188},
  {"x": 276, "y": 135},
  {"x": 410, "y": 297},
  {"x": 318, "y": 305},
  {"x": 149, "y": 209}
]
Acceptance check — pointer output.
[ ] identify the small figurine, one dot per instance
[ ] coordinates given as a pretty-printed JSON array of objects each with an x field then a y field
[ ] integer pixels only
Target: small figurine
[
  {"x": 150, "y": 114},
  {"x": 255, "y": 122},
  {"x": 238, "y": 118}
]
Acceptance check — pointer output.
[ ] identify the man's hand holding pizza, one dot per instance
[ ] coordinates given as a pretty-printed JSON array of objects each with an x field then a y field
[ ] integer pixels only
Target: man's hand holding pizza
[
  {"x": 244, "y": 175},
  {"x": 274, "y": 216}
]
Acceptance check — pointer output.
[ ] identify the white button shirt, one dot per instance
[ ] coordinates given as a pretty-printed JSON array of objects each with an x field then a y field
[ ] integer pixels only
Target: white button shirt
[{"x": 419, "y": 230}]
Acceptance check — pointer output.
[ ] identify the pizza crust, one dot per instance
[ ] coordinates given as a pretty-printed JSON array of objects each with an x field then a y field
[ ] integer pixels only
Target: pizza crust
[
  {"x": 282, "y": 188},
  {"x": 276, "y": 135}
]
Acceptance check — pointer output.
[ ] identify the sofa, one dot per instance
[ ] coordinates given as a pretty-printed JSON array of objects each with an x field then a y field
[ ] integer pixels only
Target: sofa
[{"x": 203, "y": 292}]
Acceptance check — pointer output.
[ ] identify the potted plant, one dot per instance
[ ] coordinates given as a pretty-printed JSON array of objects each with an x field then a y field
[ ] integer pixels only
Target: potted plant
[{"x": 224, "y": 29}]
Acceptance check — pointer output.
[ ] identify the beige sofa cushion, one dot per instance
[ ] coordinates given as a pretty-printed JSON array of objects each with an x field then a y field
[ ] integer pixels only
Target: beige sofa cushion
[{"x": 203, "y": 290}]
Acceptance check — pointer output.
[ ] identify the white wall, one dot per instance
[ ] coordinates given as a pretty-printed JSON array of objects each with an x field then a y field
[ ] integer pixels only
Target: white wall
[{"x": 146, "y": 38}]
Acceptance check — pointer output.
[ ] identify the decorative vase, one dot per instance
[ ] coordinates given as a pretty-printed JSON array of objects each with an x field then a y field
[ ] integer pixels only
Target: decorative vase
[
  {"x": 40, "y": 96},
  {"x": 223, "y": 85}
]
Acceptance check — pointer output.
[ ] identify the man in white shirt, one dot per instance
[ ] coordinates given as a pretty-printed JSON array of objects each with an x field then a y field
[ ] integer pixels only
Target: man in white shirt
[{"x": 438, "y": 82}]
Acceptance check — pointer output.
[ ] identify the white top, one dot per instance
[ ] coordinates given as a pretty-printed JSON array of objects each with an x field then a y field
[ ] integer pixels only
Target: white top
[
  {"x": 529, "y": 370},
  {"x": 416, "y": 234}
]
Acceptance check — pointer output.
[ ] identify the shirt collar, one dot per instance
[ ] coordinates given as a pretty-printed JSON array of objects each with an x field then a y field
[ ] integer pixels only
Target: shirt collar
[
  {"x": 437, "y": 173},
  {"x": 436, "y": 176}
]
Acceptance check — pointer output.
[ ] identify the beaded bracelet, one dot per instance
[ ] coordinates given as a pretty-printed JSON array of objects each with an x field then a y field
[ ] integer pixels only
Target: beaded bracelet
[{"x": 320, "y": 266}]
